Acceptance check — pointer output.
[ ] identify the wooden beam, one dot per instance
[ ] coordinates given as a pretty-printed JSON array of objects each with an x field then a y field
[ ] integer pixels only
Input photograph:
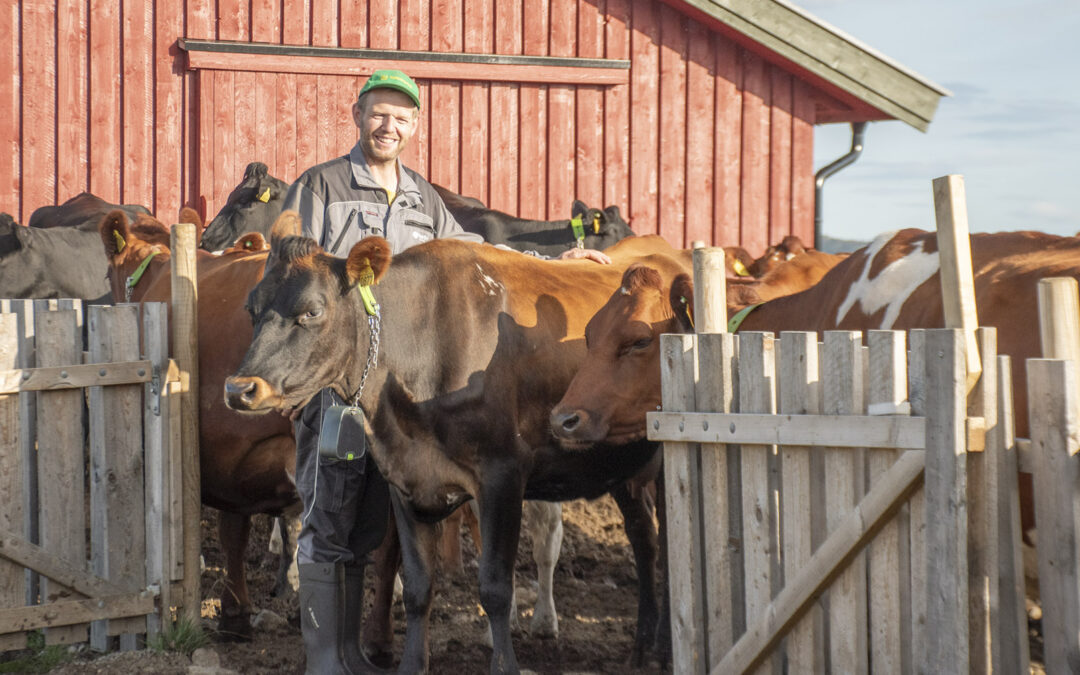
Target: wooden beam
[
  {"x": 20, "y": 551},
  {"x": 71, "y": 612},
  {"x": 74, "y": 377},
  {"x": 957, "y": 278},
  {"x": 456, "y": 67},
  {"x": 799, "y": 593},
  {"x": 841, "y": 431},
  {"x": 710, "y": 300}
]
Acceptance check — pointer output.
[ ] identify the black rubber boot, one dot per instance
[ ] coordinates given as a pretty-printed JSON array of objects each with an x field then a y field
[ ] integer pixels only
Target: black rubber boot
[
  {"x": 356, "y": 662},
  {"x": 322, "y": 605}
]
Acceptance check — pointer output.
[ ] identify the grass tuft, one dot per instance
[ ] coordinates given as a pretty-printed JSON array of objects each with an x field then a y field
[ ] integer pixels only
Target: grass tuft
[
  {"x": 38, "y": 658},
  {"x": 184, "y": 636}
]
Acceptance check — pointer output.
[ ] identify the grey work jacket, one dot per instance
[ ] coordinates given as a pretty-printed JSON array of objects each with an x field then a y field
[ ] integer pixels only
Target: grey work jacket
[{"x": 340, "y": 203}]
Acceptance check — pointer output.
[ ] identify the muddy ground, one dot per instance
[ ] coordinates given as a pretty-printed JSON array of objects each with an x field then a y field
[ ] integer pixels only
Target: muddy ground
[{"x": 595, "y": 594}]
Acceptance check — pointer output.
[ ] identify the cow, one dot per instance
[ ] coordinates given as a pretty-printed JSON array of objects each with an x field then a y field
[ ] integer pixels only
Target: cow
[
  {"x": 459, "y": 391},
  {"x": 246, "y": 464},
  {"x": 599, "y": 228},
  {"x": 892, "y": 283},
  {"x": 252, "y": 206},
  {"x": 59, "y": 262},
  {"x": 737, "y": 262},
  {"x": 792, "y": 276},
  {"x": 84, "y": 211},
  {"x": 789, "y": 247}
]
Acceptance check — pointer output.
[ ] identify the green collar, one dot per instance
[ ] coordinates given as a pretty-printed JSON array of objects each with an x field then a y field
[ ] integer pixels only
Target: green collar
[
  {"x": 137, "y": 274},
  {"x": 736, "y": 321}
]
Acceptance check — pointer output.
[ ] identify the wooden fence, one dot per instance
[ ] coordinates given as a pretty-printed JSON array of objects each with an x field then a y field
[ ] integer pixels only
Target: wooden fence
[{"x": 90, "y": 526}]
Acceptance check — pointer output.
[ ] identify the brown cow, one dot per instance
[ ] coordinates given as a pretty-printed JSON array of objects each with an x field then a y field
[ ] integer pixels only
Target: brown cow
[
  {"x": 777, "y": 254},
  {"x": 892, "y": 283},
  {"x": 246, "y": 464},
  {"x": 458, "y": 401}
]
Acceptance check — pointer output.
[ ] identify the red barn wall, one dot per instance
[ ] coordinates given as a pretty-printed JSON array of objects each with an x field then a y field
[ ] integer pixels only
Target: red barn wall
[{"x": 706, "y": 140}]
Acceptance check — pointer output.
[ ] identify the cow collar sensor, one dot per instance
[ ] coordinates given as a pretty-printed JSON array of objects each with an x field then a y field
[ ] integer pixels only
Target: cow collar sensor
[{"x": 133, "y": 280}]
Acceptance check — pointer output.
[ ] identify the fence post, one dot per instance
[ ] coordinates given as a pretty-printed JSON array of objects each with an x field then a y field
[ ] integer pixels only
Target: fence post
[
  {"x": 160, "y": 554},
  {"x": 185, "y": 330},
  {"x": 947, "y": 648},
  {"x": 12, "y": 577},
  {"x": 957, "y": 278}
]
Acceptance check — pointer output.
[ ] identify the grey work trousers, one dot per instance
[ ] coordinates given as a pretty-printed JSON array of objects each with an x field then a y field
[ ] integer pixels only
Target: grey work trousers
[{"x": 346, "y": 503}]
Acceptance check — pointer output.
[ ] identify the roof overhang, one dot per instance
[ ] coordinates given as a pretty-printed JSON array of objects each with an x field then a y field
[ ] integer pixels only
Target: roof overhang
[{"x": 867, "y": 84}]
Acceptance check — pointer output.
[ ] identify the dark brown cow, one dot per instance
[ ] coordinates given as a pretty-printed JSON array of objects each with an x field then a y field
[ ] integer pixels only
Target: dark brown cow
[
  {"x": 458, "y": 402},
  {"x": 777, "y": 254},
  {"x": 246, "y": 463},
  {"x": 892, "y": 283}
]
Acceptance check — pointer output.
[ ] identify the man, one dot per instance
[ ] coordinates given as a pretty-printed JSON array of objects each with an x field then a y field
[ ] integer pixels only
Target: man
[{"x": 367, "y": 192}]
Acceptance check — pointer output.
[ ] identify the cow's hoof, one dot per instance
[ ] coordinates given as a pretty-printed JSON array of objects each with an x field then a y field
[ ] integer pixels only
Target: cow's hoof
[
  {"x": 235, "y": 628},
  {"x": 544, "y": 626}
]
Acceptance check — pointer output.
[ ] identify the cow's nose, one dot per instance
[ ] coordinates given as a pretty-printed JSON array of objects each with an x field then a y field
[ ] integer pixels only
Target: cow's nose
[
  {"x": 240, "y": 392},
  {"x": 566, "y": 423}
]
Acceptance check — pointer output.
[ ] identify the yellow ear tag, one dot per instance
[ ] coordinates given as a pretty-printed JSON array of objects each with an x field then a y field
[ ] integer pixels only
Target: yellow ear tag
[
  {"x": 367, "y": 275},
  {"x": 740, "y": 269},
  {"x": 120, "y": 243},
  {"x": 596, "y": 224},
  {"x": 265, "y": 196}
]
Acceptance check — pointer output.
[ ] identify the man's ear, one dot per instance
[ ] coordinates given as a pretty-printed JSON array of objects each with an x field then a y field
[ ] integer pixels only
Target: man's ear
[
  {"x": 681, "y": 298},
  {"x": 368, "y": 261}
]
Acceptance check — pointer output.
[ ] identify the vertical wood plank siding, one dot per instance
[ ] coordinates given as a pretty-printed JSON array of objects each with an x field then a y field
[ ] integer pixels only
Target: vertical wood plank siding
[{"x": 707, "y": 141}]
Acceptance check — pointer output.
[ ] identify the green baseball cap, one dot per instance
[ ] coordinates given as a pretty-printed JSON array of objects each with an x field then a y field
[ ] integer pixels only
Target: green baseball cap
[{"x": 392, "y": 79}]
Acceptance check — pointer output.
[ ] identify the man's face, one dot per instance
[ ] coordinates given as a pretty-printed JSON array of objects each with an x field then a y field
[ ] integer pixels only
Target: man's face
[{"x": 387, "y": 119}]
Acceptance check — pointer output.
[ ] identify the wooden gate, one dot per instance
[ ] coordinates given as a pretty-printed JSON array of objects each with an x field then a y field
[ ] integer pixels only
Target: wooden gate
[
  {"x": 90, "y": 523},
  {"x": 849, "y": 507}
]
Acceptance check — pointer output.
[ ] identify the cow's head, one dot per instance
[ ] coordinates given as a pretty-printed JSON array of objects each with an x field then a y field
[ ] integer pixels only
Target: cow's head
[
  {"x": 602, "y": 227},
  {"x": 309, "y": 325},
  {"x": 619, "y": 380},
  {"x": 16, "y": 258},
  {"x": 737, "y": 262},
  {"x": 253, "y": 206},
  {"x": 777, "y": 255},
  {"x": 128, "y": 246}
]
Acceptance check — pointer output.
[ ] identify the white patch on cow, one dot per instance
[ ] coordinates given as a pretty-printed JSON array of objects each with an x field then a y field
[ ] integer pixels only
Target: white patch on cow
[
  {"x": 892, "y": 286},
  {"x": 490, "y": 286},
  {"x": 623, "y": 290}
]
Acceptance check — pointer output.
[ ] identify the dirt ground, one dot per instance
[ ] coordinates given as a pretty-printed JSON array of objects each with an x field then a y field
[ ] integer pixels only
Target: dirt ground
[{"x": 595, "y": 594}]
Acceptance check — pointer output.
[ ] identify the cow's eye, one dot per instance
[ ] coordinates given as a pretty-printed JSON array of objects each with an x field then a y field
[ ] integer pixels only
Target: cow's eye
[
  {"x": 310, "y": 314},
  {"x": 638, "y": 346}
]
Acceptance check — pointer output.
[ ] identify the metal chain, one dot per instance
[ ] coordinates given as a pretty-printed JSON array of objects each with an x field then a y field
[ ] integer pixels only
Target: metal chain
[{"x": 374, "y": 325}]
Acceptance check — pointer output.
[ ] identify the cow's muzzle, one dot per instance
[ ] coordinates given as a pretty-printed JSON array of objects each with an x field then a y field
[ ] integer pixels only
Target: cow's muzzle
[
  {"x": 574, "y": 426},
  {"x": 249, "y": 393}
]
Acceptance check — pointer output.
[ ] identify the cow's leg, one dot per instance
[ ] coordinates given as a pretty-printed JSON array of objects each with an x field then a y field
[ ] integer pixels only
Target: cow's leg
[
  {"x": 285, "y": 531},
  {"x": 378, "y": 635},
  {"x": 235, "y": 622},
  {"x": 450, "y": 559},
  {"x": 640, "y": 531},
  {"x": 663, "y": 630},
  {"x": 418, "y": 556},
  {"x": 500, "y": 525},
  {"x": 544, "y": 521}
]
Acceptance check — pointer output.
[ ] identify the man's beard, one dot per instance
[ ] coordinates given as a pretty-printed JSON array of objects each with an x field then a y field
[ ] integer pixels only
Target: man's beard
[{"x": 374, "y": 152}]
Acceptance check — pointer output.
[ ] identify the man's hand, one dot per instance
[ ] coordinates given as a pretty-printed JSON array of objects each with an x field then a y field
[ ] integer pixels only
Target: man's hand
[{"x": 589, "y": 253}]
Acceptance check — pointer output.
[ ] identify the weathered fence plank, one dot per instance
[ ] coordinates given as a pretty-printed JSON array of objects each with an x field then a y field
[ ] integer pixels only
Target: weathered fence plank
[
  {"x": 61, "y": 447},
  {"x": 1052, "y": 392},
  {"x": 757, "y": 374},
  {"x": 117, "y": 532},
  {"x": 947, "y": 627},
  {"x": 917, "y": 505},
  {"x": 720, "y": 478},
  {"x": 800, "y": 394},
  {"x": 682, "y": 489},
  {"x": 12, "y": 515},
  {"x": 844, "y": 480},
  {"x": 159, "y": 551},
  {"x": 888, "y": 587}
]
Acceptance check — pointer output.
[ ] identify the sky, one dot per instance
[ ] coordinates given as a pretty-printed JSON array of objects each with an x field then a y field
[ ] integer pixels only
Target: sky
[{"x": 1011, "y": 127}]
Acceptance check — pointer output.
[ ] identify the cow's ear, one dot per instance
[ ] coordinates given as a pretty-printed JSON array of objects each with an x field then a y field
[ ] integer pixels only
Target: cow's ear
[
  {"x": 286, "y": 225},
  {"x": 115, "y": 233},
  {"x": 190, "y": 215},
  {"x": 682, "y": 302},
  {"x": 578, "y": 208},
  {"x": 368, "y": 261},
  {"x": 611, "y": 213},
  {"x": 252, "y": 242}
]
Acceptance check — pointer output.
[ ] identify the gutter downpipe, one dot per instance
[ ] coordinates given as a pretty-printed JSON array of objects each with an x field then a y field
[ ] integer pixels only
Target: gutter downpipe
[{"x": 858, "y": 130}]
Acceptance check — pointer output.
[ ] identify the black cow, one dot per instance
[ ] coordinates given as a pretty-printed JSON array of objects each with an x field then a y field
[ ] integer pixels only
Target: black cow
[
  {"x": 56, "y": 263},
  {"x": 84, "y": 211},
  {"x": 253, "y": 206},
  {"x": 600, "y": 229},
  {"x": 457, "y": 405}
]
